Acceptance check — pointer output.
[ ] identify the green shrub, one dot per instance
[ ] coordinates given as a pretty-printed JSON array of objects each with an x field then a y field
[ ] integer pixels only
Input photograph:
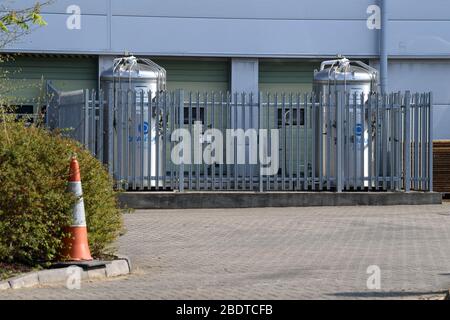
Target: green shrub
[{"x": 35, "y": 205}]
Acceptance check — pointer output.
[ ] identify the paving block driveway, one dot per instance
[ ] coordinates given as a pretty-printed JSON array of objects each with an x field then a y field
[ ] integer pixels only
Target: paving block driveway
[{"x": 277, "y": 253}]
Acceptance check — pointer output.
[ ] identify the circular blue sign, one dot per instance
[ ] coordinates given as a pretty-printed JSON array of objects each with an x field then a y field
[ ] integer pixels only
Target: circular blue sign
[
  {"x": 145, "y": 128},
  {"x": 358, "y": 130}
]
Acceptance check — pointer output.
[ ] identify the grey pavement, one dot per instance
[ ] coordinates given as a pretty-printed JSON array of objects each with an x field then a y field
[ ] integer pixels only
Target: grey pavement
[{"x": 276, "y": 253}]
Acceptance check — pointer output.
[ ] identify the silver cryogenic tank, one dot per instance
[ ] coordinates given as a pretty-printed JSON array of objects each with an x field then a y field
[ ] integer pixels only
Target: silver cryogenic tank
[
  {"x": 347, "y": 77},
  {"x": 143, "y": 76}
]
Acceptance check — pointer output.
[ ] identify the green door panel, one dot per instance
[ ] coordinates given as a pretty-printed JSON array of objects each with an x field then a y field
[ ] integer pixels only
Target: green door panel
[
  {"x": 204, "y": 75},
  {"x": 286, "y": 75},
  {"x": 26, "y": 76}
]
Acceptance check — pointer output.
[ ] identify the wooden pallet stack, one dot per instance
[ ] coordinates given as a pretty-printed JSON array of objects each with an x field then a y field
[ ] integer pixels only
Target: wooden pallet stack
[{"x": 441, "y": 166}]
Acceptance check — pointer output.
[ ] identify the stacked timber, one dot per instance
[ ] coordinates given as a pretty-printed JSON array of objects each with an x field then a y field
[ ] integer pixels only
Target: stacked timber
[{"x": 441, "y": 166}]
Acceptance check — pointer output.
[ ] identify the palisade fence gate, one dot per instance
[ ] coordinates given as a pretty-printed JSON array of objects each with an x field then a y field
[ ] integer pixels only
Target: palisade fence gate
[{"x": 329, "y": 142}]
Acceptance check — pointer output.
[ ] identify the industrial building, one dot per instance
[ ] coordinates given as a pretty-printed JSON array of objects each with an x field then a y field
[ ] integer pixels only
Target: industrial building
[{"x": 254, "y": 45}]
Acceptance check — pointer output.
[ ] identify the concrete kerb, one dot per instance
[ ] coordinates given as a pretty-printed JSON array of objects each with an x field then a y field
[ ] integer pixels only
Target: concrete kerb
[
  {"x": 115, "y": 268},
  {"x": 127, "y": 259},
  {"x": 24, "y": 281},
  {"x": 242, "y": 199}
]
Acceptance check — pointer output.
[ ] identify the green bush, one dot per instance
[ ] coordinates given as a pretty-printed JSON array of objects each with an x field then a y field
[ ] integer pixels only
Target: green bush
[{"x": 35, "y": 205}]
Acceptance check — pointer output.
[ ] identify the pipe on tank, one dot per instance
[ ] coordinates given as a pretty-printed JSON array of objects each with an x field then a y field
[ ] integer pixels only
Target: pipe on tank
[{"x": 384, "y": 46}]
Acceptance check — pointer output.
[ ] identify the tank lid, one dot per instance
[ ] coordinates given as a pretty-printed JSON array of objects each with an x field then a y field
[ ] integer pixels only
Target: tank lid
[
  {"x": 140, "y": 75},
  {"x": 355, "y": 74},
  {"x": 134, "y": 68},
  {"x": 345, "y": 70}
]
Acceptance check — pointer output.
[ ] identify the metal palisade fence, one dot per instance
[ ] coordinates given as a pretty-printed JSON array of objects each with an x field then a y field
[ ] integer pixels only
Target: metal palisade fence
[{"x": 254, "y": 142}]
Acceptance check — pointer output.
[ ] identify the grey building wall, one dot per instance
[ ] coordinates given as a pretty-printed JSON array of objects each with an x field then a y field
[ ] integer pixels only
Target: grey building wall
[
  {"x": 260, "y": 28},
  {"x": 422, "y": 75}
]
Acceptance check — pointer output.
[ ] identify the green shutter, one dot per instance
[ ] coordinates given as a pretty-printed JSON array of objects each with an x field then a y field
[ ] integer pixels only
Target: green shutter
[
  {"x": 204, "y": 75},
  {"x": 286, "y": 75},
  {"x": 28, "y": 74}
]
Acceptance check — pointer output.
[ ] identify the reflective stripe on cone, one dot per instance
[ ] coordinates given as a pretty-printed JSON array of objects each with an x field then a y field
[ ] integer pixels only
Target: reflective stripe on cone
[{"x": 76, "y": 246}]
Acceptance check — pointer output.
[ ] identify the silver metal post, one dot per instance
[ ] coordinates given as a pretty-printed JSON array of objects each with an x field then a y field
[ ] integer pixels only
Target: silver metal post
[
  {"x": 86, "y": 119},
  {"x": 92, "y": 125},
  {"x": 190, "y": 130},
  {"x": 291, "y": 145},
  {"x": 313, "y": 140},
  {"x": 260, "y": 143},
  {"x": 370, "y": 134},
  {"x": 339, "y": 144},
  {"x": 181, "y": 116},
  {"x": 100, "y": 133},
  {"x": 407, "y": 142},
  {"x": 430, "y": 143},
  {"x": 157, "y": 138},
  {"x": 142, "y": 120},
  {"x": 416, "y": 140},
  {"x": 134, "y": 142},
  {"x": 149, "y": 140},
  {"x": 320, "y": 138},
  {"x": 110, "y": 133},
  {"x": 328, "y": 142},
  {"x": 305, "y": 146}
]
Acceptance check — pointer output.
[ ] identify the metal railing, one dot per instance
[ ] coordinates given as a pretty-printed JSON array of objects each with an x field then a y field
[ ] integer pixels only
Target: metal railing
[{"x": 335, "y": 142}]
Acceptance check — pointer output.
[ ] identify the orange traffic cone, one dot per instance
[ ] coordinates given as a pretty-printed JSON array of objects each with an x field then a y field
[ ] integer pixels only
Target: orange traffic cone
[{"x": 76, "y": 246}]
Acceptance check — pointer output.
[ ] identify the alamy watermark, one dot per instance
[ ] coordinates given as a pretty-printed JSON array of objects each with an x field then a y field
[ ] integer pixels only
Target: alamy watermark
[
  {"x": 73, "y": 22},
  {"x": 241, "y": 147},
  {"x": 73, "y": 281},
  {"x": 374, "y": 20},
  {"x": 374, "y": 280}
]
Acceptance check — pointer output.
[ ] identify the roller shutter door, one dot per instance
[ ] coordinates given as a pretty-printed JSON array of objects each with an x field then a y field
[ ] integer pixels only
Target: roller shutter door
[
  {"x": 29, "y": 73},
  {"x": 286, "y": 76},
  {"x": 204, "y": 75}
]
